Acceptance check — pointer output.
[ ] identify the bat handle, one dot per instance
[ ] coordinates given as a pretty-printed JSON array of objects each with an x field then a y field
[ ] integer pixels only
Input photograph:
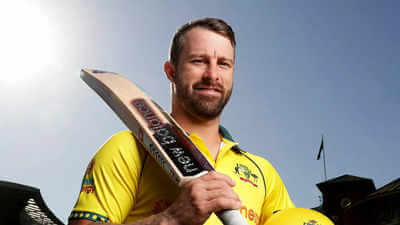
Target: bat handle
[{"x": 231, "y": 217}]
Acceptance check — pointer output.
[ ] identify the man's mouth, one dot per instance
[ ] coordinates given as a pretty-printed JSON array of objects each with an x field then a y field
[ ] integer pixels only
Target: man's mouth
[{"x": 208, "y": 90}]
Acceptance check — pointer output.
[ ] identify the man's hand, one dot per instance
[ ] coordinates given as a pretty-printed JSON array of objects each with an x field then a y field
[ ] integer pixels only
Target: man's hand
[{"x": 202, "y": 196}]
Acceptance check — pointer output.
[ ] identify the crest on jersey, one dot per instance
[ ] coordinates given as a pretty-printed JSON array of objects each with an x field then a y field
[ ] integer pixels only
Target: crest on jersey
[{"x": 246, "y": 175}]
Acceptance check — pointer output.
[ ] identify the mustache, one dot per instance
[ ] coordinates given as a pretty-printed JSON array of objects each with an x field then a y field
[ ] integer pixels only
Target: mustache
[{"x": 209, "y": 85}]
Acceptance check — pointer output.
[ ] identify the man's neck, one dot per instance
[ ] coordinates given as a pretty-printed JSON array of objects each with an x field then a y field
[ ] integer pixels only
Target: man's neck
[{"x": 206, "y": 129}]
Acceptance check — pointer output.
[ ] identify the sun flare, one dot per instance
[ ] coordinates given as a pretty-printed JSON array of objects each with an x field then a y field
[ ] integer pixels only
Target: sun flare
[{"x": 26, "y": 43}]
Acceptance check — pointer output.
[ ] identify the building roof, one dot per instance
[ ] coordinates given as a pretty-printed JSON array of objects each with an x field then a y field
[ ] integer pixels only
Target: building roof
[
  {"x": 22, "y": 204},
  {"x": 344, "y": 182},
  {"x": 388, "y": 191}
]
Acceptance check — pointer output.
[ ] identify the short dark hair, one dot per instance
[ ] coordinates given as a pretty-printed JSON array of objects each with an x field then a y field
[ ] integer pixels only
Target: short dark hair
[{"x": 213, "y": 24}]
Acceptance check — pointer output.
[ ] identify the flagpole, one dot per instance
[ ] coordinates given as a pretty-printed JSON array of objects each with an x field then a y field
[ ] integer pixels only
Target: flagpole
[
  {"x": 324, "y": 150},
  {"x": 326, "y": 178}
]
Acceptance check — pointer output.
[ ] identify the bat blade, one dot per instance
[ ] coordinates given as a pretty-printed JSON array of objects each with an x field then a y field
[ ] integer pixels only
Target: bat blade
[{"x": 163, "y": 138}]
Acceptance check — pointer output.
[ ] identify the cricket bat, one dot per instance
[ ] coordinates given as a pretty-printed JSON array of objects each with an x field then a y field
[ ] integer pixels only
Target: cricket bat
[{"x": 163, "y": 138}]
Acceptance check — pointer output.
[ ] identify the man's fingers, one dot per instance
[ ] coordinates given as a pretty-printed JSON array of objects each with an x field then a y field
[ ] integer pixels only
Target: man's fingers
[
  {"x": 206, "y": 194},
  {"x": 210, "y": 181},
  {"x": 219, "y": 204},
  {"x": 211, "y": 190},
  {"x": 215, "y": 201},
  {"x": 202, "y": 196},
  {"x": 215, "y": 184},
  {"x": 215, "y": 191},
  {"x": 213, "y": 175},
  {"x": 222, "y": 193}
]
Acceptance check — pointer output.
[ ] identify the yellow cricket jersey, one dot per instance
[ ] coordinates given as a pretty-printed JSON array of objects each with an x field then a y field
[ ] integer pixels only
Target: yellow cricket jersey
[{"x": 123, "y": 183}]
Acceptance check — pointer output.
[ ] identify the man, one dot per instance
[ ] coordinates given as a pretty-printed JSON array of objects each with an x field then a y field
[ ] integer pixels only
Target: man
[{"x": 124, "y": 185}]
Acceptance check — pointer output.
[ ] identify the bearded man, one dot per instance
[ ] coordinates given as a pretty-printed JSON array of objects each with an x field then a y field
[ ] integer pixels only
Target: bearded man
[{"x": 124, "y": 185}]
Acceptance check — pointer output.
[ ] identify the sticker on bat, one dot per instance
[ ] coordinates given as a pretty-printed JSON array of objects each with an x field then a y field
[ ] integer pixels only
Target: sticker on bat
[
  {"x": 151, "y": 118},
  {"x": 183, "y": 159},
  {"x": 176, "y": 150}
]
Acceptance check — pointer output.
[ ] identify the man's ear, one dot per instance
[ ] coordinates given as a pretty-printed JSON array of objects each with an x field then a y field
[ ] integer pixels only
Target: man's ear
[{"x": 169, "y": 70}]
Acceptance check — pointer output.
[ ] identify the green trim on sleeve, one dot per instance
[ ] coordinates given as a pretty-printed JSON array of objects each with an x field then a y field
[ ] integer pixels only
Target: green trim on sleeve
[{"x": 77, "y": 215}]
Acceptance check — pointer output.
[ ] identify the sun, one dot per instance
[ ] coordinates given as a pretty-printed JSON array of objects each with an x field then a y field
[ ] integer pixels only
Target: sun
[{"x": 26, "y": 43}]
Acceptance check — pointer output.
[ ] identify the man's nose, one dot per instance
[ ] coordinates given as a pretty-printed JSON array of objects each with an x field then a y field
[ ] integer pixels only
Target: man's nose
[{"x": 212, "y": 72}]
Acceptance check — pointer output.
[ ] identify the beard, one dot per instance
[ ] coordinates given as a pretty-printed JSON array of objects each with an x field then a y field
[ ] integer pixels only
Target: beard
[{"x": 207, "y": 107}]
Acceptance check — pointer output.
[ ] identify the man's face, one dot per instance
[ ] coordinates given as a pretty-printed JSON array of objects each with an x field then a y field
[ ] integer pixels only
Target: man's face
[{"x": 204, "y": 73}]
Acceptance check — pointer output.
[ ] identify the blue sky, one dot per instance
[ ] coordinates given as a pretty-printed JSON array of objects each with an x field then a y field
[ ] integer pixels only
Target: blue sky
[{"x": 303, "y": 69}]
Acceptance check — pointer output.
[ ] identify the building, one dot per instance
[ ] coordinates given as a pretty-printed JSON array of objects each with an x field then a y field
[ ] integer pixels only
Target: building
[
  {"x": 351, "y": 200},
  {"x": 24, "y": 205}
]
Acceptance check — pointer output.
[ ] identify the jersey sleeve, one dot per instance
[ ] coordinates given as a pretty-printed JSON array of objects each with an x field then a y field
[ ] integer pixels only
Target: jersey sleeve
[
  {"x": 111, "y": 180},
  {"x": 277, "y": 197}
]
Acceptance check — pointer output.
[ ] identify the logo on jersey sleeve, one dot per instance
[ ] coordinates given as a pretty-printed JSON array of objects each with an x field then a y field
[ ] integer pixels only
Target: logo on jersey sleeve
[
  {"x": 246, "y": 175},
  {"x": 88, "y": 181}
]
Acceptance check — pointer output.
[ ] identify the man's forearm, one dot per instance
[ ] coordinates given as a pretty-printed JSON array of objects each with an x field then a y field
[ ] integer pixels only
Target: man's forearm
[
  {"x": 198, "y": 199},
  {"x": 157, "y": 219}
]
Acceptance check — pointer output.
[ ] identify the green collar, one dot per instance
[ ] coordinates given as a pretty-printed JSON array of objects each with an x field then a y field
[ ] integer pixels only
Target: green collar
[{"x": 225, "y": 133}]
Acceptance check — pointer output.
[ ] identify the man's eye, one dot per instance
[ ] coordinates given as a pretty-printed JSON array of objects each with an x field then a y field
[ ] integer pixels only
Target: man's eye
[
  {"x": 225, "y": 64},
  {"x": 197, "y": 61}
]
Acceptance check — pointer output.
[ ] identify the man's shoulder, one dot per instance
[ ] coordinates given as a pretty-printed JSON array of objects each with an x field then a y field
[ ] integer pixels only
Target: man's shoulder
[
  {"x": 123, "y": 138},
  {"x": 121, "y": 143}
]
